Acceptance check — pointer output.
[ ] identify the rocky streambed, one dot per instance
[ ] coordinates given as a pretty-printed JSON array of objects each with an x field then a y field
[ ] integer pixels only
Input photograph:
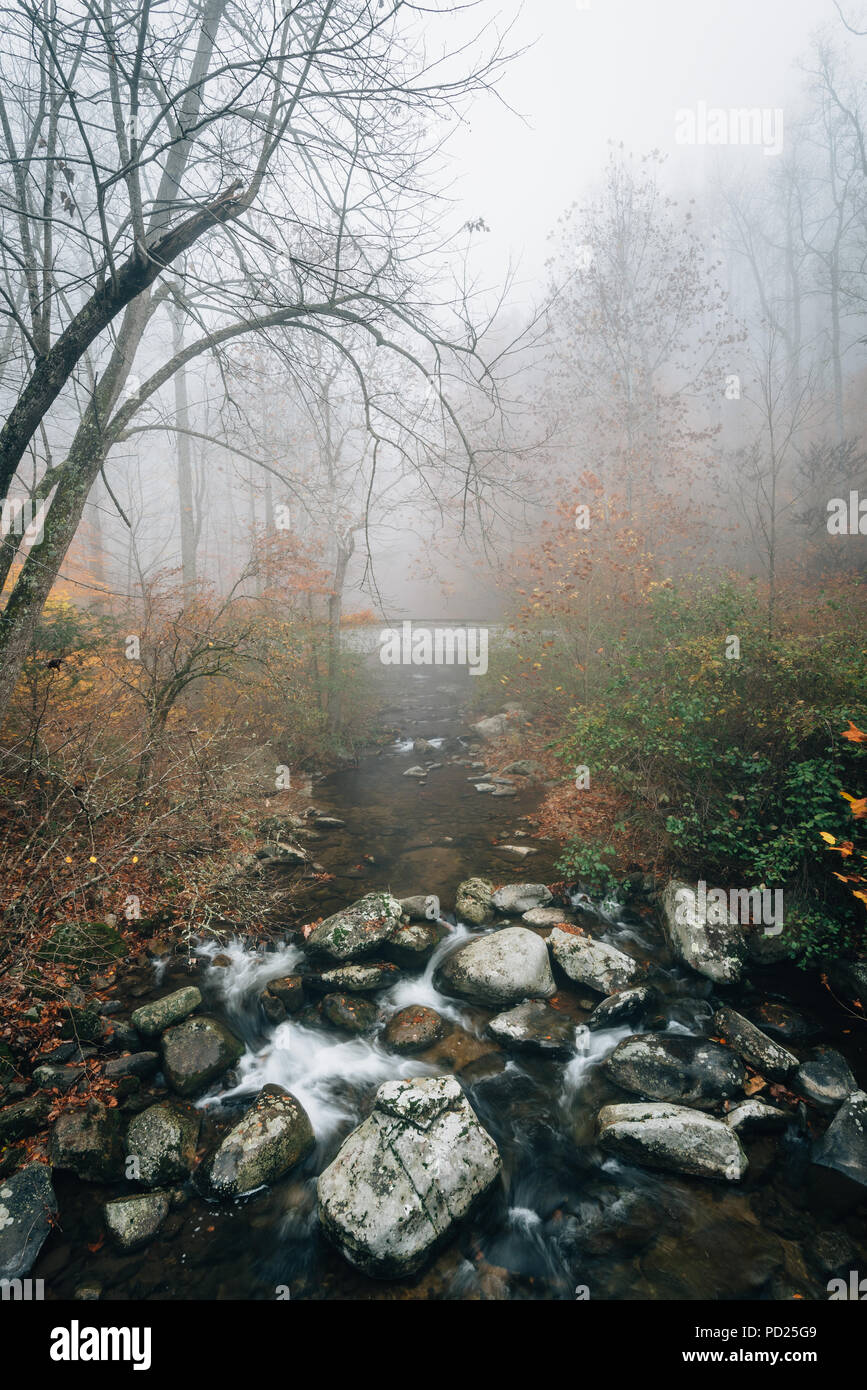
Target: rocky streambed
[{"x": 452, "y": 1084}]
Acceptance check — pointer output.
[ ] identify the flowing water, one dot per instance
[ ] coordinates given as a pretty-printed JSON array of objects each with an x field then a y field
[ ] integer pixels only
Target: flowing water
[{"x": 566, "y": 1221}]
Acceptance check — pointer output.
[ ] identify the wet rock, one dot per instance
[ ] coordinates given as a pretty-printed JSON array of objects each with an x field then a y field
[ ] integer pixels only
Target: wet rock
[
  {"x": 485, "y": 787},
  {"x": 781, "y": 1021},
  {"x": 594, "y": 963},
  {"x": 133, "y": 1064},
  {"x": 406, "y": 1176},
  {"x": 364, "y": 978},
  {"x": 281, "y": 997},
  {"x": 272, "y": 1137},
  {"x": 122, "y": 1036},
  {"x": 88, "y": 1142},
  {"x": 27, "y": 1203},
  {"x": 153, "y": 1019},
  {"x": 525, "y": 767},
  {"x": 842, "y": 1153},
  {"x": 825, "y": 1079},
  {"x": 416, "y": 907},
  {"x": 671, "y": 1067},
  {"x": 628, "y": 1006},
  {"x": 23, "y": 1118},
  {"x": 411, "y": 945},
  {"x": 163, "y": 1140},
  {"x": 848, "y": 980},
  {"x": 132, "y": 1222},
  {"x": 413, "y": 1029},
  {"x": 521, "y": 897},
  {"x": 755, "y": 1116},
  {"x": 534, "y": 1027},
  {"x": 198, "y": 1051},
  {"x": 419, "y": 772},
  {"x": 59, "y": 1078},
  {"x": 546, "y": 916},
  {"x": 504, "y": 791},
  {"x": 351, "y": 1012},
  {"x": 673, "y": 1138},
  {"x": 749, "y": 1042},
  {"x": 714, "y": 949},
  {"x": 501, "y": 968},
  {"x": 329, "y": 823},
  {"x": 492, "y": 728},
  {"x": 521, "y": 850},
  {"x": 473, "y": 900},
  {"x": 357, "y": 930}
]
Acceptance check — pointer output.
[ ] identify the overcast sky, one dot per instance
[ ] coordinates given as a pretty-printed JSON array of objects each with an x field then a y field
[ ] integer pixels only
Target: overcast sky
[{"x": 617, "y": 72}]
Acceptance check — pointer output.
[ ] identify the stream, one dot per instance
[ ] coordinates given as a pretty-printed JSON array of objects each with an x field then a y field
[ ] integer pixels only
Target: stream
[{"x": 566, "y": 1221}]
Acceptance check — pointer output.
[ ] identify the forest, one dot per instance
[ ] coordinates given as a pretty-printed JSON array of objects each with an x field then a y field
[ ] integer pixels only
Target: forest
[{"x": 433, "y": 682}]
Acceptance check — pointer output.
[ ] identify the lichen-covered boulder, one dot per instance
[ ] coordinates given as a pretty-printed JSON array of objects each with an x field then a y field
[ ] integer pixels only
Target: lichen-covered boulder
[
  {"x": 473, "y": 900},
  {"x": 132, "y": 1222},
  {"x": 413, "y": 1029},
  {"x": 768, "y": 1057},
  {"x": 672, "y": 1137},
  {"x": 522, "y": 897},
  {"x": 272, "y": 1137},
  {"x": 594, "y": 963},
  {"x": 536, "y": 1028},
  {"x": 709, "y": 942},
  {"x": 501, "y": 968},
  {"x": 406, "y": 1176},
  {"x": 152, "y": 1019},
  {"x": 162, "y": 1141},
  {"x": 357, "y": 930},
  {"x": 196, "y": 1052},
  {"x": 27, "y": 1204},
  {"x": 671, "y": 1066}
]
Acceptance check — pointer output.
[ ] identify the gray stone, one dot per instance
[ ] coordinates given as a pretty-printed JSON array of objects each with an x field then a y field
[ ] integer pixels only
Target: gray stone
[
  {"x": 473, "y": 900},
  {"x": 152, "y": 1019},
  {"x": 133, "y": 1064},
  {"x": 594, "y": 963},
  {"x": 673, "y": 1138},
  {"x": 357, "y": 930},
  {"x": 755, "y": 1116},
  {"x": 27, "y": 1204},
  {"x": 627, "y": 1006},
  {"x": 716, "y": 949},
  {"x": 749, "y": 1042},
  {"x": 675, "y": 1067},
  {"x": 406, "y": 1176},
  {"x": 23, "y": 1118},
  {"x": 521, "y": 897},
  {"x": 536, "y": 1028},
  {"x": 198, "y": 1051},
  {"x": 364, "y": 978},
  {"x": 413, "y": 1029},
  {"x": 350, "y": 1012},
  {"x": 272, "y": 1137},
  {"x": 825, "y": 1079},
  {"x": 132, "y": 1222},
  {"x": 163, "y": 1139},
  {"x": 843, "y": 1147},
  {"x": 546, "y": 916},
  {"x": 500, "y": 968}
]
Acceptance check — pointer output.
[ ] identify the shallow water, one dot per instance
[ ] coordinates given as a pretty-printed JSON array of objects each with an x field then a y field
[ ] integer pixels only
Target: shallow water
[{"x": 565, "y": 1218}]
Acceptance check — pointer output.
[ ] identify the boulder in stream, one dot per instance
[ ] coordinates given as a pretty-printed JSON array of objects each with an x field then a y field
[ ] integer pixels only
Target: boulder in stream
[
  {"x": 27, "y": 1204},
  {"x": 198, "y": 1051},
  {"x": 350, "y": 1012},
  {"x": 825, "y": 1078},
  {"x": 500, "y": 968},
  {"x": 673, "y": 1138},
  {"x": 405, "y": 1177},
  {"x": 162, "y": 1140},
  {"x": 153, "y": 1019},
  {"x": 768, "y": 1057},
  {"x": 627, "y": 1006},
  {"x": 522, "y": 897},
  {"x": 535, "y": 1027},
  {"x": 594, "y": 963},
  {"x": 272, "y": 1137},
  {"x": 473, "y": 900},
  {"x": 88, "y": 1142},
  {"x": 132, "y": 1222},
  {"x": 701, "y": 937},
  {"x": 413, "y": 1029},
  {"x": 840, "y": 1157},
  {"x": 365, "y": 977},
  {"x": 357, "y": 930},
  {"x": 674, "y": 1067}
]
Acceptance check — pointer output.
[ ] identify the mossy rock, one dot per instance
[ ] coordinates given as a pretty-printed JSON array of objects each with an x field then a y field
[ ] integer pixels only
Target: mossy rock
[{"x": 85, "y": 943}]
